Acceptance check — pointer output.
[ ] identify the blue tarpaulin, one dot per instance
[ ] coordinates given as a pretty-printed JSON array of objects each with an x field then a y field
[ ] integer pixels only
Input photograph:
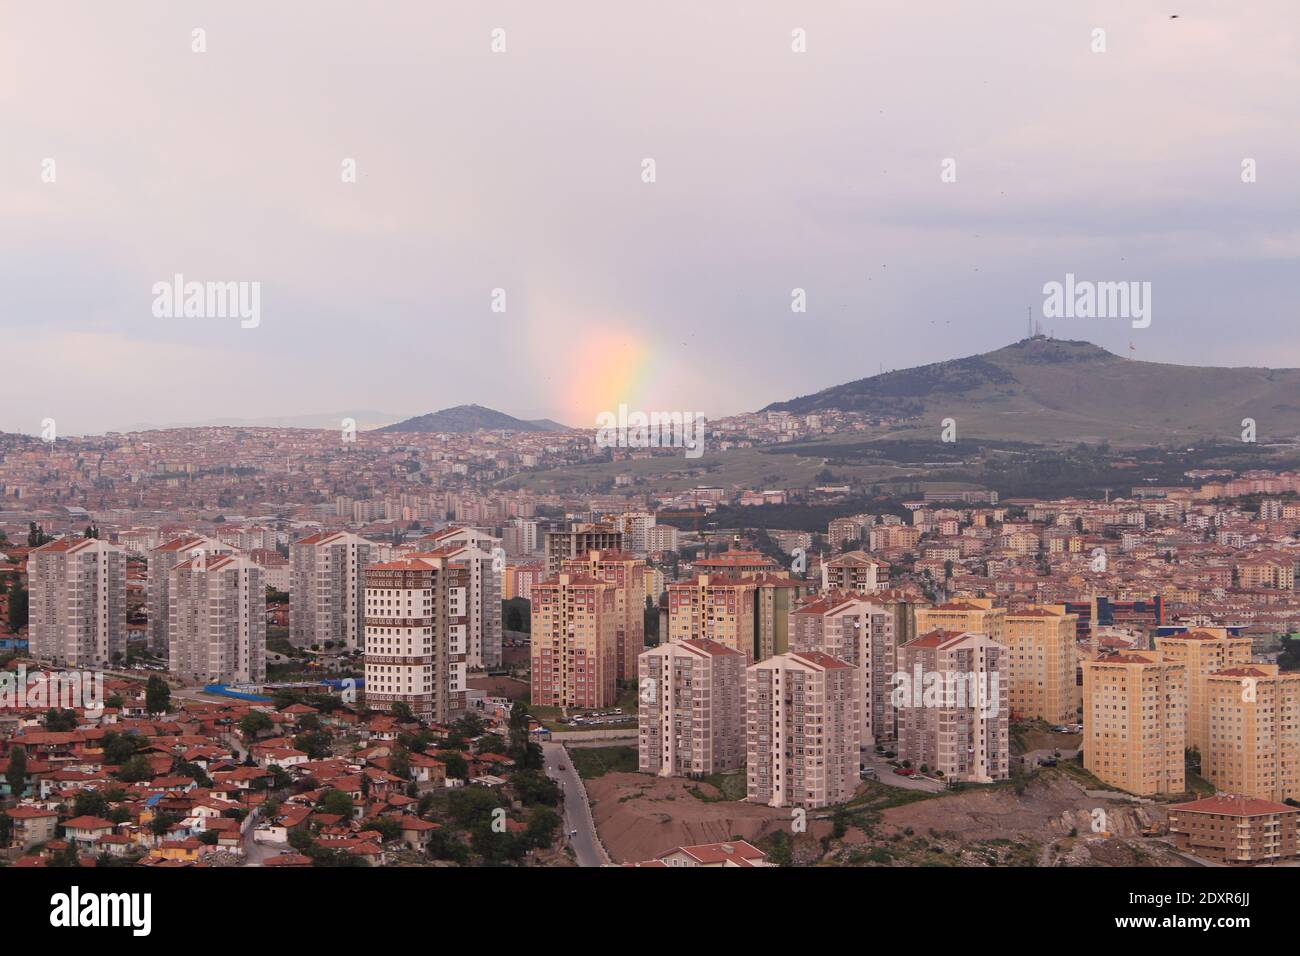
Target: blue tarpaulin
[{"x": 225, "y": 691}]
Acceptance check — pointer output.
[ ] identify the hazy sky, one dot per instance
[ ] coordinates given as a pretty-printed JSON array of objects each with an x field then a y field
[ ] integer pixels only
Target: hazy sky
[{"x": 522, "y": 170}]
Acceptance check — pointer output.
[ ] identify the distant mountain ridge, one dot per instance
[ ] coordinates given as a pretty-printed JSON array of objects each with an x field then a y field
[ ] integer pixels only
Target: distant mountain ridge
[
  {"x": 470, "y": 418},
  {"x": 1072, "y": 390}
]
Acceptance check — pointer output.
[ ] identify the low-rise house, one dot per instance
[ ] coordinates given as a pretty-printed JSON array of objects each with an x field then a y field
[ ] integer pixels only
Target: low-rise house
[
  {"x": 733, "y": 853},
  {"x": 282, "y": 757},
  {"x": 31, "y": 826},
  {"x": 1236, "y": 830},
  {"x": 415, "y": 832},
  {"x": 288, "y": 860},
  {"x": 84, "y": 832}
]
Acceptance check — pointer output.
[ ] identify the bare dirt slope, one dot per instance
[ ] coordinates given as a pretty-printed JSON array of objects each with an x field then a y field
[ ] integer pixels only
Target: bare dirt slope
[{"x": 640, "y": 816}]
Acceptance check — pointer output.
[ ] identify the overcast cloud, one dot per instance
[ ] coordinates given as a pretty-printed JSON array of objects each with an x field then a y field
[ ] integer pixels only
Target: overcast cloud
[{"x": 522, "y": 171}]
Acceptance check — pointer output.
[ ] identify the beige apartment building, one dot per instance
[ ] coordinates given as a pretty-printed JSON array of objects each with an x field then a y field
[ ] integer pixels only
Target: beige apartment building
[
  {"x": 1135, "y": 722},
  {"x": 952, "y": 706},
  {"x": 327, "y": 590},
  {"x": 574, "y": 643},
  {"x": 416, "y": 636},
  {"x": 962, "y": 615},
  {"x": 1267, "y": 573},
  {"x": 854, "y": 571},
  {"x": 1236, "y": 830},
  {"x": 692, "y": 709},
  {"x": 1202, "y": 652},
  {"x": 161, "y": 561},
  {"x": 774, "y": 599},
  {"x": 77, "y": 602},
  {"x": 803, "y": 730},
  {"x": 1254, "y": 735},
  {"x": 627, "y": 575},
  {"x": 714, "y": 607},
  {"x": 1042, "y": 661},
  {"x": 217, "y": 620}
]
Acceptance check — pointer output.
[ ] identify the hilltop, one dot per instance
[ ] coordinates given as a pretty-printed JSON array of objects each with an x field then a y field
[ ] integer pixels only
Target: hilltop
[
  {"x": 469, "y": 418},
  {"x": 1051, "y": 389}
]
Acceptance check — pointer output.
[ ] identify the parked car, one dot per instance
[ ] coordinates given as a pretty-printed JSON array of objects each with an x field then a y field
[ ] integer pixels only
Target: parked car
[
  {"x": 868, "y": 773},
  {"x": 904, "y": 771}
]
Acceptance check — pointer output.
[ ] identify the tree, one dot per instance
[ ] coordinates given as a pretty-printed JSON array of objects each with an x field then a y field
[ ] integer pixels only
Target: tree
[
  {"x": 60, "y": 721},
  {"x": 337, "y": 802},
  {"x": 402, "y": 711},
  {"x": 455, "y": 764},
  {"x": 66, "y": 857},
  {"x": 469, "y": 726},
  {"x": 542, "y": 825},
  {"x": 280, "y": 777},
  {"x": 17, "y": 606},
  {"x": 780, "y": 853},
  {"x": 399, "y": 764},
  {"x": 119, "y": 748},
  {"x": 253, "y": 723},
  {"x": 443, "y": 845},
  {"x": 839, "y": 824},
  {"x": 534, "y": 787},
  {"x": 162, "y": 824},
  {"x": 316, "y": 744},
  {"x": 388, "y": 828},
  {"x": 518, "y": 717},
  {"x": 16, "y": 775},
  {"x": 135, "y": 769},
  {"x": 157, "y": 695},
  {"x": 89, "y": 803},
  {"x": 517, "y": 611}
]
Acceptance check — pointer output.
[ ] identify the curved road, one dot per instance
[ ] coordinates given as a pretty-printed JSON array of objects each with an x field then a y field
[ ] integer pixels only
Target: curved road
[{"x": 577, "y": 814}]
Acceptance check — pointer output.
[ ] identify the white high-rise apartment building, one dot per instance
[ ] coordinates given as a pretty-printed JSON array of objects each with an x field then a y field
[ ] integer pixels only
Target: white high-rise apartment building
[
  {"x": 162, "y": 560},
  {"x": 217, "y": 619},
  {"x": 692, "y": 710},
  {"x": 416, "y": 636},
  {"x": 522, "y": 537},
  {"x": 327, "y": 589},
  {"x": 636, "y": 526},
  {"x": 485, "y": 560},
  {"x": 661, "y": 537},
  {"x": 77, "y": 602},
  {"x": 953, "y": 707},
  {"x": 803, "y": 730},
  {"x": 859, "y": 629}
]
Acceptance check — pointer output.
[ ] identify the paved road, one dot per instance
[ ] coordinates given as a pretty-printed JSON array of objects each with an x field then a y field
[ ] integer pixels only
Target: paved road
[
  {"x": 577, "y": 814},
  {"x": 1033, "y": 756},
  {"x": 885, "y": 774},
  {"x": 256, "y": 854}
]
